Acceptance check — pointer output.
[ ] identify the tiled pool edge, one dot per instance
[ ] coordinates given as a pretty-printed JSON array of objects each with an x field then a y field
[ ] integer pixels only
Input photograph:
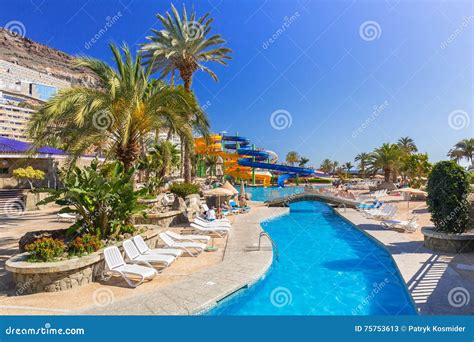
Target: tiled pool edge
[{"x": 202, "y": 291}]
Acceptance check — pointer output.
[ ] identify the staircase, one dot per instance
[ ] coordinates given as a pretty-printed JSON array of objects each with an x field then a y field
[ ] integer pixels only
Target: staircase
[{"x": 11, "y": 200}]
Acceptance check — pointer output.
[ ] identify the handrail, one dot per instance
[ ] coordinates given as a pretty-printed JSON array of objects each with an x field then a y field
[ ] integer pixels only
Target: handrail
[
  {"x": 271, "y": 241},
  {"x": 342, "y": 205}
]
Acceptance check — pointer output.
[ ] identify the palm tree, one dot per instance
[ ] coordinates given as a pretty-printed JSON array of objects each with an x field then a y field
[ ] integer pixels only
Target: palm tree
[
  {"x": 169, "y": 154},
  {"x": 335, "y": 164},
  {"x": 184, "y": 45},
  {"x": 211, "y": 164},
  {"x": 407, "y": 144},
  {"x": 117, "y": 117},
  {"x": 348, "y": 166},
  {"x": 465, "y": 148},
  {"x": 292, "y": 157},
  {"x": 326, "y": 166},
  {"x": 386, "y": 158},
  {"x": 363, "y": 159},
  {"x": 456, "y": 155},
  {"x": 303, "y": 161}
]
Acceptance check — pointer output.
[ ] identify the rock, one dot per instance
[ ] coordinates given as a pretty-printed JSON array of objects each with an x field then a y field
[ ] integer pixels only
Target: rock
[
  {"x": 32, "y": 236},
  {"x": 179, "y": 204}
]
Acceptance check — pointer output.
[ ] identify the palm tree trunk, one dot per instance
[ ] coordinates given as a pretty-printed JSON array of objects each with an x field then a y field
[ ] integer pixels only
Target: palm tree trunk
[
  {"x": 387, "y": 175},
  {"x": 186, "y": 76}
]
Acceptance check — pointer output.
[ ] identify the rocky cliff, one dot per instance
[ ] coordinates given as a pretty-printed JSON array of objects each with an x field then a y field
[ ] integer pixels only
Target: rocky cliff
[{"x": 41, "y": 58}]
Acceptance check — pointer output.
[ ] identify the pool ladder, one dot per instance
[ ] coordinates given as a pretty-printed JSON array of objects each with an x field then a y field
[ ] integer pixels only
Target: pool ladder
[{"x": 275, "y": 248}]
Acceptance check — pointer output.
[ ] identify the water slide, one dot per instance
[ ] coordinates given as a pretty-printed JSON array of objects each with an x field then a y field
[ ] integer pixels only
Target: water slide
[{"x": 247, "y": 162}]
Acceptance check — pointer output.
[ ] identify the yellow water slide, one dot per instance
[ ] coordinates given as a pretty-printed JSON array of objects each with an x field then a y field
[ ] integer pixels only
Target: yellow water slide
[{"x": 213, "y": 146}]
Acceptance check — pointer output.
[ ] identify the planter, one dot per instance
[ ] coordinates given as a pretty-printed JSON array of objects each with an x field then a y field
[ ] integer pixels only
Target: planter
[
  {"x": 61, "y": 275},
  {"x": 163, "y": 220},
  {"x": 448, "y": 243}
]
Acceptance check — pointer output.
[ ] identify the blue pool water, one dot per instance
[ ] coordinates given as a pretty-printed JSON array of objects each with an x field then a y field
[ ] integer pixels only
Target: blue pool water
[
  {"x": 269, "y": 193},
  {"x": 326, "y": 267}
]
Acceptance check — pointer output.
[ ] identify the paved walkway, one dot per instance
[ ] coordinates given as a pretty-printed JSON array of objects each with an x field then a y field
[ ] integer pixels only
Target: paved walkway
[
  {"x": 437, "y": 285},
  {"x": 242, "y": 265}
]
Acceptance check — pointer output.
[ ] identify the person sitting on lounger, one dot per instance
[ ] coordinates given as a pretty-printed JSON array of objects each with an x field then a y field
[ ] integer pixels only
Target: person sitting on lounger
[
  {"x": 243, "y": 202},
  {"x": 211, "y": 214}
]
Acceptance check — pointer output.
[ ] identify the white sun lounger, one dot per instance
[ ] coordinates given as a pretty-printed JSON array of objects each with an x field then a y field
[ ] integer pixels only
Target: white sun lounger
[
  {"x": 134, "y": 256},
  {"x": 221, "y": 231},
  {"x": 188, "y": 237},
  {"x": 116, "y": 265},
  {"x": 188, "y": 247},
  {"x": 408, "y": 226},
  {"x": 208, "y": 225},
  {"x": 386, "y": 214},
  {"x": 145, "y": 250},
  {"x": 66, "y": 217},
  {"x": 203, "y": 222}
]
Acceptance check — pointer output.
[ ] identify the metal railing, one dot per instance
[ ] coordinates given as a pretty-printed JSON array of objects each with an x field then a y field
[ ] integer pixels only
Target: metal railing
[
  {"x": 342, "y": 205},
  {"x": 275, "y": 248}
]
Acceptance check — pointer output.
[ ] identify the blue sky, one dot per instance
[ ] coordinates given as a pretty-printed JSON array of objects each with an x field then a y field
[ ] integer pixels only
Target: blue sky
[{"x": 347, "y": 75}]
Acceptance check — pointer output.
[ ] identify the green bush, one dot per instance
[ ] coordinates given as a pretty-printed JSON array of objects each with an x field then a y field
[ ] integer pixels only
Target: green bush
[
  {"x": 84, "y": 244},
  {"x": 319, "y": 180},
  {"x": 101, "y": 194},
  {"x": 448, "y": 189},
  {"x": 184, "y": 189},
  {"x": 45, "y": 249}
]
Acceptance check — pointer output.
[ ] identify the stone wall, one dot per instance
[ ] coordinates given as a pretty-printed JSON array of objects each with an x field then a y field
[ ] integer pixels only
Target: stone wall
[{"x": 65, "y": 274}]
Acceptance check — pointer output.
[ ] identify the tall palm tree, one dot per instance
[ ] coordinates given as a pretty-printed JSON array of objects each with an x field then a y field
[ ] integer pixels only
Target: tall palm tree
[
  {"x": 407, "y": 144},
  {"x": 455, "y": 154},
  {"x": 465, "y": 148},
  {"x": 184, "y": 45},
  {"x": 292, "y": 157},
  {"x": 118, "y": 116},
  {"x": 169, "y": 154},
  {"x": 363, "y": 159},
  {"x": 326, "y": 166},
  {"x": 335, "y": 164},
  {"x": 348, "y": 166},
  {"x": 386, "y": 158},
  {"x": 303, "y": 161}
]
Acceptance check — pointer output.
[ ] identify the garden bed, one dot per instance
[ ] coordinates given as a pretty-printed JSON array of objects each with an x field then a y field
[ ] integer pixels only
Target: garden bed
[{"x": 34, "y": 277}]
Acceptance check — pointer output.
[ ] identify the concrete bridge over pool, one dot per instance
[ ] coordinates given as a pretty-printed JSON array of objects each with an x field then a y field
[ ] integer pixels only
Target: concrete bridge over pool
[{"x": 313, "y": 195}]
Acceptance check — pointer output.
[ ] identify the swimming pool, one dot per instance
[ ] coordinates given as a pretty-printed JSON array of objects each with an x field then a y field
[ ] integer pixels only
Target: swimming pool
[
  {"x": 326, "y": 267},
  {"x": 269, "y": 193}
]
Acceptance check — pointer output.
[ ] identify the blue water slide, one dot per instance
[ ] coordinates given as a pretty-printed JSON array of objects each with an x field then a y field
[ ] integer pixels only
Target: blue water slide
[
  {"x": 258, "y": 155},
  {"x": 282, "y": 178},
  {"x": 237, "y": 141},
  {"x": 280, "y": 168}
]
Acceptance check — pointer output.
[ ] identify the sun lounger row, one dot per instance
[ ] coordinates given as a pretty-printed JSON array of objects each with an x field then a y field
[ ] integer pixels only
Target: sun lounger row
[{"x": 140, "y": 261}]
